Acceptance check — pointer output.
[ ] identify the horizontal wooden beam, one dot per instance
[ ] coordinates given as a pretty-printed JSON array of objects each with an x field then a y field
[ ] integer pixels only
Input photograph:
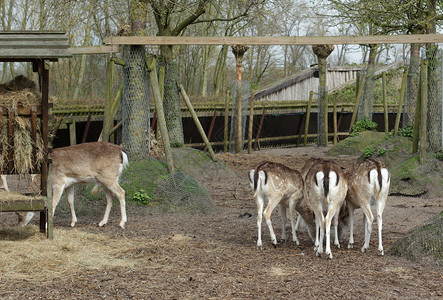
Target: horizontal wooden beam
[
  {"x": 101, "y": 49},
  {"x": 275, "y": 40}
]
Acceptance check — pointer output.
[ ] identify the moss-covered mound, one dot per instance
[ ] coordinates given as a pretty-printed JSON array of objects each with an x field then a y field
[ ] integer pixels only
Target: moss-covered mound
[
  {"x": 356, "y": 144},
  {"x": 408, "y": 177},
  {"x": 423, "y": 243},
  {"x": 199, "y": 164},
  {"x": 148, "y": 182}
]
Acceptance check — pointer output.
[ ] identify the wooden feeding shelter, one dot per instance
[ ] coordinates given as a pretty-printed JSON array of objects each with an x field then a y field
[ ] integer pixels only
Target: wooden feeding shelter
[{"x": 25, "y": 188}]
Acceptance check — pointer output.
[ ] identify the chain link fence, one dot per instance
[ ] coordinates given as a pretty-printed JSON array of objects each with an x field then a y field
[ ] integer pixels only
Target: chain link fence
[
  {"x": 171, "y": 104},
  {"x": 424, "y": 243},
  {"x": 135, "y": 103}
]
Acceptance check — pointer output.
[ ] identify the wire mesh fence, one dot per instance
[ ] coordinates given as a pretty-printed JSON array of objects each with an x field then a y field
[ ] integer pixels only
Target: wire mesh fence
[
  {"x": 135, "y": 103},
  {"x": 425, "y": 242}
]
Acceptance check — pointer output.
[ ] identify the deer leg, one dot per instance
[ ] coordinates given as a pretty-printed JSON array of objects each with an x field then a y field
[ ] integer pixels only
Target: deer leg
[
  {"x": 317, "y": 232},
  {"x": 322, "y": 234},
  {"x": 57, "y": 191},
  {"x": 273, "y": 201},
  {"x": 368, "y": 219},
  {"x": 260, "y": 202},
  {"x": 292, "y": 216},
  {"x": 283, "y": 221},
  {"x": 335, "y": 222},
  {"x": 351, "y": 226},
  {"x": 70, "y": 193},
  {"x": 120, "y": 193},
  {"x": 380, "y": 207},
  {"x": 24, "y": 218},
  {"x": 108, "y": 195}
]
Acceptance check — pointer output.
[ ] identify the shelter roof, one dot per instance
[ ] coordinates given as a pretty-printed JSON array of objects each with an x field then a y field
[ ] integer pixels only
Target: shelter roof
[{"x": 32, "y": 45}]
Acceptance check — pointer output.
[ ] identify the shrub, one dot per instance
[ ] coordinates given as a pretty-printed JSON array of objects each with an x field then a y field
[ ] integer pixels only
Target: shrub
[
  {"x": 381, "y": 151},
  {"x": 408, "y": 131},
  {"x": 363, "y": 125},
  {"x": 368, "y": 151}
]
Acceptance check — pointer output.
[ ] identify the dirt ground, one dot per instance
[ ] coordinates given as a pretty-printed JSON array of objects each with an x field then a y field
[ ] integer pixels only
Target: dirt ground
[{"x": 214, "y": 256}]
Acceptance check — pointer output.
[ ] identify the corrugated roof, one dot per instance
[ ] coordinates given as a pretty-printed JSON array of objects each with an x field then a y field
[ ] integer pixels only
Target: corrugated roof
[{"x": 28, "y": 45}]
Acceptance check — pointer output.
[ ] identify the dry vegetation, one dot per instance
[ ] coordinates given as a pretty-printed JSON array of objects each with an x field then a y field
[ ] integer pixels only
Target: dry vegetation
[{"x": 210, "y": 256}]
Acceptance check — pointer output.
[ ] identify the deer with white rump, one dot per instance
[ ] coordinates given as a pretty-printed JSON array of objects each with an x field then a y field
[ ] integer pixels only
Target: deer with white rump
[
  {"x": 325, "y": 190},
  {"x": 369, "y": 183},
  {"x": 97, "y": 162},
  {"x": 281, "y": 186}
]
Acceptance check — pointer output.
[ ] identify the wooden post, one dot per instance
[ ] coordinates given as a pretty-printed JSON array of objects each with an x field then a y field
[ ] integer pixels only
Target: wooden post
[
  {"x": 85, "y": 133},
  {"x": 72, "y": 132},
  {"x": 339, "y": 122},
  {"x": 44, "y": 76},
  {"x": 11, "y": 120},
  {"x": 385, "y": 102},
  {"x": 161, "y": 80},
  {"x": 251, "y": 122},
  {"x": 400, "y": 102},
  {"x": 238, "y": 51},
  {"x": 160, "y": 113},
  {"x": 196, "y": 121},
  {"x": 257, "y": 143},
  {"x": 308, "y": 117},
  {"x": 357, "y": 101},
  {"x": 416, "y": 136},
  {"x": 322, "y": 52},
  {"x": 334, "y": 119},
  {"x": 300, "y": 128},
  {"x": 108, "y": 118},
  {"x": 34, "y": 136},
  {"x": 423, "y": 110},
  {"x": 211, "y": 128},
  {"x": 226, "y": 128}
]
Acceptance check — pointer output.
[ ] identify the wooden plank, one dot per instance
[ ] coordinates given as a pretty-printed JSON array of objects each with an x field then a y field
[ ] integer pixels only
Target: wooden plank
[
  {"x": 275, "y": 40},
  {"x": 101, "y": 49},
  {"x": 37, "y": 204},
  {"x": 36, "y": 44},
  {"x": 34, "y": 52}
]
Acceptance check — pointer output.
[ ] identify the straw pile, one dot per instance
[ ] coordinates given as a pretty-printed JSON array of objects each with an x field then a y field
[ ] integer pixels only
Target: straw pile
[{"x": 20, "y": 92}]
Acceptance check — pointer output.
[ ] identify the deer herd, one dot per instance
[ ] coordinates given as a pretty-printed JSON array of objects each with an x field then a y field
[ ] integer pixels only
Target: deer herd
[{"x": 320, "y": 195}]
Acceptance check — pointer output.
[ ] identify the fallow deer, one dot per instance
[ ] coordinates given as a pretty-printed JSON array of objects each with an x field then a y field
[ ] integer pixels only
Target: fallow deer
[
  {"x": 325, "y": 191},
  {"x": 341, "y": 224},
  {"x": 281, "y": 186},
  {"x": 96, "y": 162},
  {"x": 368, "y": 185}
]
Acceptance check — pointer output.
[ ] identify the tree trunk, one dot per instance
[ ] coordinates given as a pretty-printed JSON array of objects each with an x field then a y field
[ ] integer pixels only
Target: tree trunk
[
  {"x": 220, "y": 70},
  {"x": 135, "y": 103},
  {"x": 434, "y": 109},
  {"x": 412, "y": 85},
  {"x": 171, "y": 104},
  {"x": 366, "y": 106},
  {"x": 322, "y": 52},
  {"x": 136, "y": 95}
]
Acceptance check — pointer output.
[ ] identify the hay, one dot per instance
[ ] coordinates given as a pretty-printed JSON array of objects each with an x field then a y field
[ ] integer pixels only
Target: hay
[
  {"x": 20, "y": 92},
  {"x": 25, "y": 252},
  {"x": 7, "y": 196}
]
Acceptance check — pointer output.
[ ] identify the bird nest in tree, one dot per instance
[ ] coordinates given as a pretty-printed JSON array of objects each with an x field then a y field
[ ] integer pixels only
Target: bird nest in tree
[{"x": 20, "y": 92}]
